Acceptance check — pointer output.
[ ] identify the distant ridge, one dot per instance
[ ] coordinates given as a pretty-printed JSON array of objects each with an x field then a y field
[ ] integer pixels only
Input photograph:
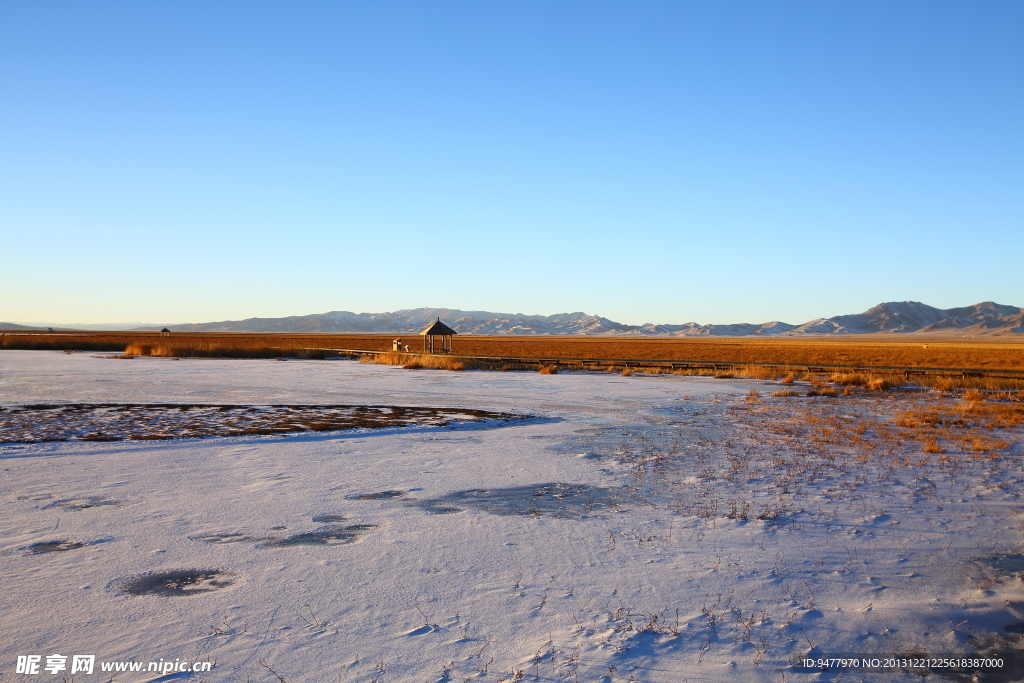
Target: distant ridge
[
  {"x": 12, "y": 327},
  {"x": 898, "y": 317}
]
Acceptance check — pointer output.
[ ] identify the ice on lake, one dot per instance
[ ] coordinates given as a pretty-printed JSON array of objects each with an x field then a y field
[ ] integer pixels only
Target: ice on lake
[{"x": 453, "y": 551}]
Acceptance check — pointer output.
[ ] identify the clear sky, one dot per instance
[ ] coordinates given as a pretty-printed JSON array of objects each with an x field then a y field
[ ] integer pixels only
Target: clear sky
[{"x": 645, "y": 161}]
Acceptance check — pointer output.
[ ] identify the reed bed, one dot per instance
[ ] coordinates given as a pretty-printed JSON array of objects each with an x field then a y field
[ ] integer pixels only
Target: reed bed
[
  {"x": 214, "y": 350},
  {"x": 996, "y": 353},
  {"x": 416, "y": 361},
  {"x": 752, "y": 353}
]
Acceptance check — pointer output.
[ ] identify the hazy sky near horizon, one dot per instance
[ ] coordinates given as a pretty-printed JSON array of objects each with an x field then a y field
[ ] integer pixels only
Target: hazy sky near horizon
[{"x": 649, "y": 162}]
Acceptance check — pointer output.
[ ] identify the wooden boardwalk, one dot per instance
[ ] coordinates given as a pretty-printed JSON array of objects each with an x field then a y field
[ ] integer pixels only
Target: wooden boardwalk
[{"x": 716, "y": 366}]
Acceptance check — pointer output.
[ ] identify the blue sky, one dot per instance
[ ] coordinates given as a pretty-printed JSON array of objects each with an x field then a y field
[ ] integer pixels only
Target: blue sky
[{"x": 649, "y": 162}]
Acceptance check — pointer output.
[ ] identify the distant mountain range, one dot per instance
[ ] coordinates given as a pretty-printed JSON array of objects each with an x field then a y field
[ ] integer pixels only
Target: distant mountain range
[
  {"x": 903, "y": 317},
  {"x": 77, "y": 326}
]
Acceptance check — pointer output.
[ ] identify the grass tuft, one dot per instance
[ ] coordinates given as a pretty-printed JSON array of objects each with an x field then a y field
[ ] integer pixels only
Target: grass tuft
[
  {"x": 416, "y": 361},
  {"x": 879, "y": 384}
]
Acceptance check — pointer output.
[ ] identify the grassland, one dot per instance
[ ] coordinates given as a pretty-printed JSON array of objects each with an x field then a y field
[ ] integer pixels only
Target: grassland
[{"x": 899, "y": 351}]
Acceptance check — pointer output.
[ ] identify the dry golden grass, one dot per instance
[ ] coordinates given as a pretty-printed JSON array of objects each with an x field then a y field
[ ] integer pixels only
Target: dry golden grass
[
  {"x": 855, "y": 379},
  {"x": 415, "y": 361},
  {"x": 865, "y": 350},
  {"x": 953, "y": 384},
  {"x": 548, "y": 370},
  {"x": 898, "y": 429},
  {"x": 752, "y": 353},
  {"x": 970, "y": 426},
  {"x": 848, "y": 449},
  {"x": 879, "y": 384},
  {"x": 833, "y": 351},
  {"x": 759, "y": 372},
  {"x": 208, "y": 349}
]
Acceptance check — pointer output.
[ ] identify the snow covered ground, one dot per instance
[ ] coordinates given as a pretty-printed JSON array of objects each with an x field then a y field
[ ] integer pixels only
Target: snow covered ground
[{"x": 640, "y": 529}]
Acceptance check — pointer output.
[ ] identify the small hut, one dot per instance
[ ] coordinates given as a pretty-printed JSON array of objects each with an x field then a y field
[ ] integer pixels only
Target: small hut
[
  {"x": 165, "y": 332},
  {"x": 438, "y": 329}
]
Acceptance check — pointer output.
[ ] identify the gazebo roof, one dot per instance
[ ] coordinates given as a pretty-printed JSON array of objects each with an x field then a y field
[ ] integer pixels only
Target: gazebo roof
[
  {"x": 438, "y": 328},
  {"x": 165, "y": 330}
]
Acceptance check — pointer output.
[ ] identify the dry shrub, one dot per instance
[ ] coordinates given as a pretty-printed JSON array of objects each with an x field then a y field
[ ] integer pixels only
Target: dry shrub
[
  {"x": 850, "y": 379},
  {"x": 879, "y": 384},
  {"x": 387, "y": 358},
  {"x": 950, "y": 384},
  {"x": 904, "y": 429},
  {"x": 137, "y": 350},
  {"x": 416, "y": 361},
  {"x": 442, "y": 363},
  {"x": 548, "y": 370},
  {"x": 784, "y": 392},
  {"x": 753, "y": 396},
  {"x": 210, "y": 350},
  {"x": 991, "y": 414},
  {"x": 983, "y": 444},
  {"x": 827, "y": 392},
  {"x": 788, "y": 379},
  {"x": 973, "y": 395},
  {"x": 724, "y": 375},
  {"x": 757, "y": 372},
  {"x": 626, "y": 372},
  {"x": 848, "y": 390},
  {"x": 907, "y": 418}
]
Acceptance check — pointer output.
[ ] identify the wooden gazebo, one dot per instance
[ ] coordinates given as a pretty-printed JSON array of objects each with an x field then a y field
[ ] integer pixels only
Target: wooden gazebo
[{"x": 438, "y": 329}]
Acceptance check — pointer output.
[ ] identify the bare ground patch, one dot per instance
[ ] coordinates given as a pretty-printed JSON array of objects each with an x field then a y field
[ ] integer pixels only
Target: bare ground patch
[
  {"x": 54, "y": 547},
  {"x": 552, "y": 499},
  {"x": 176, "y": 582}
]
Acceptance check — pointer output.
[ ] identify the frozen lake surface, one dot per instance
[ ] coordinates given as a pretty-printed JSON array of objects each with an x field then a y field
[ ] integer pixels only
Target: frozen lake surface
[{"x": 580, "y": 544}]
